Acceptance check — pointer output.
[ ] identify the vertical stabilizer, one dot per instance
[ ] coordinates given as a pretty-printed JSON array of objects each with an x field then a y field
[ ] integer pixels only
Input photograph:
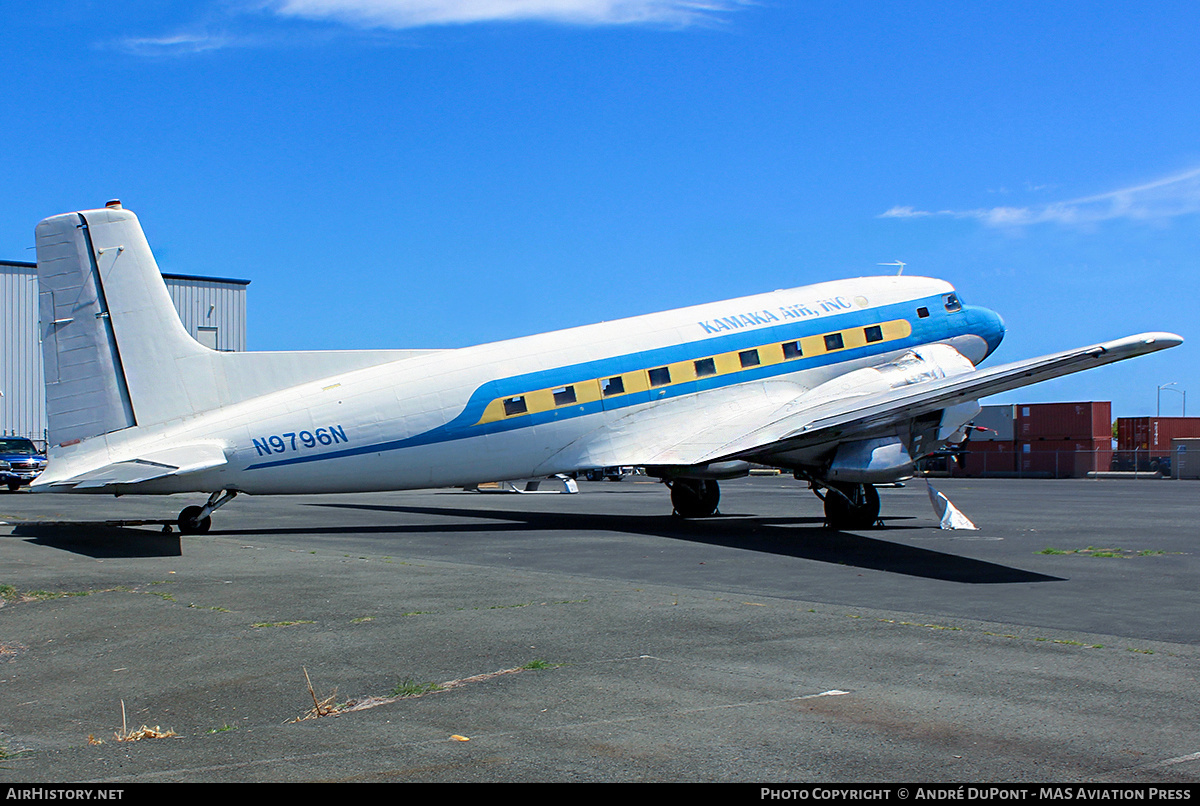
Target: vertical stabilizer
[{"x": 115, "y": 352}]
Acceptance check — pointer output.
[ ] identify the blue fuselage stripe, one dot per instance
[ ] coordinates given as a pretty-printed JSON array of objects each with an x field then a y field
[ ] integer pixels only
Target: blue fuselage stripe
[{"x": 940, "y": 324}]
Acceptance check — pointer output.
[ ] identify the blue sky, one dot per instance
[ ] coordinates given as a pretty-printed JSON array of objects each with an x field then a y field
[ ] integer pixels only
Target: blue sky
[{"x": 426, "y": 173}]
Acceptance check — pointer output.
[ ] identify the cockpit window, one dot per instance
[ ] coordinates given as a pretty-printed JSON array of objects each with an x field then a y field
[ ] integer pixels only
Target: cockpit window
[{"x": 952, "y": 303}]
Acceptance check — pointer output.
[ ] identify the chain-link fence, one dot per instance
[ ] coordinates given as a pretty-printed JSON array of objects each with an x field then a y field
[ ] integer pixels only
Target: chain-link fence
[{"x": 1031, "y": 461}]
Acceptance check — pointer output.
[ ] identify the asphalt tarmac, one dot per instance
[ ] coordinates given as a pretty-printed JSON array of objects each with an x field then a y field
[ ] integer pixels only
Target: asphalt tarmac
[{"x": 468, "y": 637}]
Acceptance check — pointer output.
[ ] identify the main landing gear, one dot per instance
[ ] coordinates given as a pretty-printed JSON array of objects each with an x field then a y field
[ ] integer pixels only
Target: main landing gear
[
  {"x": 847, "y": 506},
  {"x": 197, "y": 520},
  {"x": 850, "y": 506},
  {"x": 694, "y": 498}
]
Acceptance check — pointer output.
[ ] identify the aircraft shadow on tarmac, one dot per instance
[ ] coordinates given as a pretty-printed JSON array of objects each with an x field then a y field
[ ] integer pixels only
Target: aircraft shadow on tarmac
[
  {"x": 775, "y": 535},
  {"x": 772, "y": 535},
  {"x": 100, "y": 540}
]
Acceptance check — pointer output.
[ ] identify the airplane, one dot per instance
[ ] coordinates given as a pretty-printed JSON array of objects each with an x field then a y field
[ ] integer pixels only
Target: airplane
[{"x": 844, "y": 384}]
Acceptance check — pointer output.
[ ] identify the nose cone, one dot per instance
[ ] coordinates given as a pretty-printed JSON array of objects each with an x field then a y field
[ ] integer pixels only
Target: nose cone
[{"x": 988, "y": 325}]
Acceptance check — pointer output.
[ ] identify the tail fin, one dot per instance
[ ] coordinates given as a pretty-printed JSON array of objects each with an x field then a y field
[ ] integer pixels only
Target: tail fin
[{"x": 115, "y": 353}]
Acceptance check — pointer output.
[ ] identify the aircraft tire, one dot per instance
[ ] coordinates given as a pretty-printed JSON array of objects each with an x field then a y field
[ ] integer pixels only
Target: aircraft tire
[
  {"x": 189, "y": 525},
  {"x": 695, "y": 498},
  {"x": 861, "y": 514}
]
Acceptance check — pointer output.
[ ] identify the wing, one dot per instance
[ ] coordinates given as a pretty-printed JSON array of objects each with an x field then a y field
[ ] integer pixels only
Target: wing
[
  {"x": 841, "y": 420},
  {"x": 755, "y": 422}
]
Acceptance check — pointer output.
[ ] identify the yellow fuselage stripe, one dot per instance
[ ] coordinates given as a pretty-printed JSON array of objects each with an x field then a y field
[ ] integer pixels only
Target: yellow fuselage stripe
[{"x": 728, "y": 363}]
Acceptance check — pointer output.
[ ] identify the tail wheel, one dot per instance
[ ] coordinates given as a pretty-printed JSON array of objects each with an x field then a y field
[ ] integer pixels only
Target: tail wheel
[
  {"x": 191, "y": 524},
  {"x": 851, "y": 506},
  {"x": 695, "y": 498}
]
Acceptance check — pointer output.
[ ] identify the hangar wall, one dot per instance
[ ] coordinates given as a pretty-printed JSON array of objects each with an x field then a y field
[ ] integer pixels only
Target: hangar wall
[
  {"x": 22, "y": 407},
  {"x": 212, "y": 309}
]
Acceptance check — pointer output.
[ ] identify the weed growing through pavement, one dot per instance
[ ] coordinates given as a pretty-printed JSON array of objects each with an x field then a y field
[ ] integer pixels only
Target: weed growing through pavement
[
  {"x": 407, "y": 688},
  {"x": 1093, "y": 551},
  {"x": 404, "y": 690},
  {"x": 144, "y": 732}
]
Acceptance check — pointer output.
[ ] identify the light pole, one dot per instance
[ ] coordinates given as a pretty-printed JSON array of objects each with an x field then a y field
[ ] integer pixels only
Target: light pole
[{"x": 1158, "y": 398}]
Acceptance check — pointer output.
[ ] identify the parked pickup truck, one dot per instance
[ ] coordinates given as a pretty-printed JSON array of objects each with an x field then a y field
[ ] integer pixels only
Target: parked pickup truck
[{"x": 20, "y": 462}]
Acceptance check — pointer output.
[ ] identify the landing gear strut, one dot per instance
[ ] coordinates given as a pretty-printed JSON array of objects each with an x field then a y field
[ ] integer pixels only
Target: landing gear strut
[
  {"x": 851, "y": 506},
  {"x": 695, "y": 498},
  {"x": 197, "y": 520}
]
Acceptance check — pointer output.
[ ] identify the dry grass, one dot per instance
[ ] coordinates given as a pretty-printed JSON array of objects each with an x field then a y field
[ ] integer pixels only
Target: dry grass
[
  {"x": 144, "y": 732},
  {"x": 330, "y": 707},
  {"x": 323, "y": 707}
]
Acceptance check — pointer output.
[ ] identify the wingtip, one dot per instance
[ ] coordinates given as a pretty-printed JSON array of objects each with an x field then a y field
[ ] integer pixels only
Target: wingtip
[
  {"x": 1140, "y": 344},
  {"x": 1164, "y": 339}
]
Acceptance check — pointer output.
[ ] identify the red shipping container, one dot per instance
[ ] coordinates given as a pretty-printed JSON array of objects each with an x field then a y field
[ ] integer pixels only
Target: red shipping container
[
  {"x": 988, "y": 458},
  {"x": 1092, "y": 420},
  {"x": 1154, "y": 434},
  {"x": 1064, "y": 458}
]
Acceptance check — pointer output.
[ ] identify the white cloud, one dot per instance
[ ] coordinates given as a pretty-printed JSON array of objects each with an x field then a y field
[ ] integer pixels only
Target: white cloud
[
  {"x": 172, "y": 45},
  {"x": 416, "y": 13},
  {"x": 904, "y": 212},
  {"x": 404, "y": 14},
  {"x": 1161, "y": 199}
]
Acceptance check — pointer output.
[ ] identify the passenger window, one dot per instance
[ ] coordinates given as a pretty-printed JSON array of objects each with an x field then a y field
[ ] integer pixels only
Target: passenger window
[
  {"x": 834, "y": 341},
  {"x": 792, "y": 350},
  {"x": 922, "y": 313},
  {"x": 749, "y": 358},
  {"x": 661, "y": 376},
  {"x": 515, "y": 405},
  {"x": 952, "y": 303},
  {"x": 564, "y": 396},
  {"x": 873, "y": 333},
  {"x": 705, "y": 367},
  {"x": 612, "y": 386}
]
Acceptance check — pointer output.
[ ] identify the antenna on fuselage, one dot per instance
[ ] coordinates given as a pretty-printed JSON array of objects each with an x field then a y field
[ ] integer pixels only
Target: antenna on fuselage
[{"x": 899, "y": 263}]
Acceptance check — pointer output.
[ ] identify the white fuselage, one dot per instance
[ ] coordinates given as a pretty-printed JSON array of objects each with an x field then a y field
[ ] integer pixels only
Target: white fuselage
[{"x": 454, "y": 417}]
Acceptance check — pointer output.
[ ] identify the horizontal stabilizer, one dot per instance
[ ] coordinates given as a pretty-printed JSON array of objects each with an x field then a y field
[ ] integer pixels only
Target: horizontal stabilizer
[{"x": 154, "y": 465}]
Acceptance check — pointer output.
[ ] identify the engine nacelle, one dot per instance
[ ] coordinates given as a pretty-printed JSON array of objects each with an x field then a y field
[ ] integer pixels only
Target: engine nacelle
[
  {"x": 709, "y": 470},
  {"x": 930, "y": 362},
  {"x": 871, "y": 461}
]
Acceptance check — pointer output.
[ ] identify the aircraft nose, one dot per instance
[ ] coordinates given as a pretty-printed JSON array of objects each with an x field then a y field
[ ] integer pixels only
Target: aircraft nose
[{"x": 990, "y": 327}]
